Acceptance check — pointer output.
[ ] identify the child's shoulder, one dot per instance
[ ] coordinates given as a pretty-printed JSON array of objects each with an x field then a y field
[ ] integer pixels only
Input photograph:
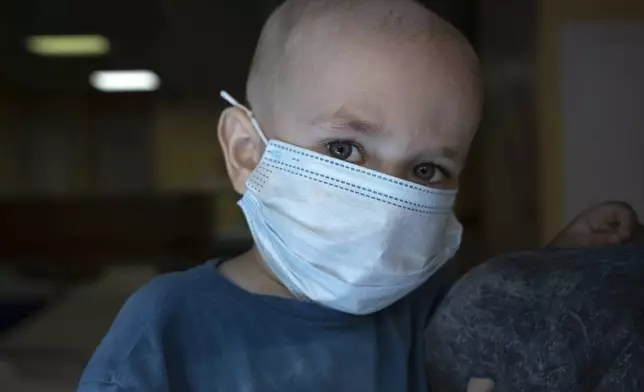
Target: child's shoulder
[
  {"x": 169, "y": 293},
  {"x": 168, "y": 307},
  {"x": 159, "y": 304}
]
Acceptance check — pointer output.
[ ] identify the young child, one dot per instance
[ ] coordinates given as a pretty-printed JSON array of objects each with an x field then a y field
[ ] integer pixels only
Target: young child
[{"x": 363, "y": 112}]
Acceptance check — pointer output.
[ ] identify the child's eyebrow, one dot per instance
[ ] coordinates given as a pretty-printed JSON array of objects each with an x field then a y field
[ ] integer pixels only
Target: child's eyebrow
[{"x": 343, "y": 120}]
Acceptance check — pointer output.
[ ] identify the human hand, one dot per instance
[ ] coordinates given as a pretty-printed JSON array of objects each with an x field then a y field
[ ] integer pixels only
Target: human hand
[
  {"x": 605, "y": 224},
  {"x": 480, "y": 385}
]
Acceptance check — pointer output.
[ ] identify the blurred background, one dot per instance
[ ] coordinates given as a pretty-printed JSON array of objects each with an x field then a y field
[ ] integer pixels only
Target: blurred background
[{"x": 111, "y": 173}]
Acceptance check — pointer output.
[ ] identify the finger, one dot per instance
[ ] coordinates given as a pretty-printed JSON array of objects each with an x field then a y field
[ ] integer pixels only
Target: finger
[
  {"x": 607, "y": 237},
  {"x": 480, "y": 385},
  {"x": 626, "y": 223},
  {"x": 613, "y": 239},
  {"x": 614, "y": 215}
]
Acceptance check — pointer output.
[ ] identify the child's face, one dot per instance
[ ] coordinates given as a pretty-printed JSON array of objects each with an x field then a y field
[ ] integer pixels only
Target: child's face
[
  {"x": 406, "y": 109},
  {"x": 397, "y": 109}
]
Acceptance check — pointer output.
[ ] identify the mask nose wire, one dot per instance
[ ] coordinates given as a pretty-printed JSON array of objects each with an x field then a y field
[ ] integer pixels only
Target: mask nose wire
[{"x": 229, "y": 98}]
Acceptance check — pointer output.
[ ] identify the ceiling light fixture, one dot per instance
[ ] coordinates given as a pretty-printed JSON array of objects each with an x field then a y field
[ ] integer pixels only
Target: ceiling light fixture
[
  {"x": 68, "y": 45},
  {"x": 125, "y": 81}
]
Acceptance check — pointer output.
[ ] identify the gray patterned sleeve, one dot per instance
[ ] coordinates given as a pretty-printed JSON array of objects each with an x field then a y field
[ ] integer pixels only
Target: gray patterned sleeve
[{"x": 549, "y": 320}]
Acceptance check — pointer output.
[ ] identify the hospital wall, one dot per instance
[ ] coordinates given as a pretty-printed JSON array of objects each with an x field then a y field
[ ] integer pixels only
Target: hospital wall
[{"x": 590, "y": 97}]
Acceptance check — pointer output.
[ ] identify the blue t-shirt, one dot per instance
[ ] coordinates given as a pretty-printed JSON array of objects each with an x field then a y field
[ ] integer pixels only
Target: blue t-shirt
[{"x": 195, "y": 331}]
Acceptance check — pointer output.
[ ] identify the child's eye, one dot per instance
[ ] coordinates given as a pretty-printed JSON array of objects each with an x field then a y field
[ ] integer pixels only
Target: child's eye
[
  {"x": 431, "y": 173},
  {"x": 346, "y": 150}
]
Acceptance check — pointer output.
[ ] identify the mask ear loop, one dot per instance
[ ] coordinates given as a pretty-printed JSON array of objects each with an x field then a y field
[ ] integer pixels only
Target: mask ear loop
[{"x": 248, "y": 112}]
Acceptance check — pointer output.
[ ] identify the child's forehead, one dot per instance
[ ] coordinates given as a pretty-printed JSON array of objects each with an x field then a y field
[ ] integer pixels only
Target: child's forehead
[
  {"x": 395, "y": 86},
  {"x": 392, "y": 57},
  {"x": 370, "y": 64}
]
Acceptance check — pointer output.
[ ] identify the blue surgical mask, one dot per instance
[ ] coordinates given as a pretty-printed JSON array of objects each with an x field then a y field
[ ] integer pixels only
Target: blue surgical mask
[{"x": 349, "y": 238}]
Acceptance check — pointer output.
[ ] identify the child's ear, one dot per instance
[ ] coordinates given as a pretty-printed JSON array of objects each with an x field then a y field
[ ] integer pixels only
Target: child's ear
[{"x": 241, "y": 145}]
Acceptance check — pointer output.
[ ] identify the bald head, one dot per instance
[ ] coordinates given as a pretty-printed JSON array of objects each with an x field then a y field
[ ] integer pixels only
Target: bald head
[
  {"x": 319, "y": 28},
  {"x": 384, "y": 84}
]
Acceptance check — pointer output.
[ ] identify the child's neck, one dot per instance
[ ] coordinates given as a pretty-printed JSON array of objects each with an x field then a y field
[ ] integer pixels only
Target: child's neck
[{"x": 250, "y": 272}]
